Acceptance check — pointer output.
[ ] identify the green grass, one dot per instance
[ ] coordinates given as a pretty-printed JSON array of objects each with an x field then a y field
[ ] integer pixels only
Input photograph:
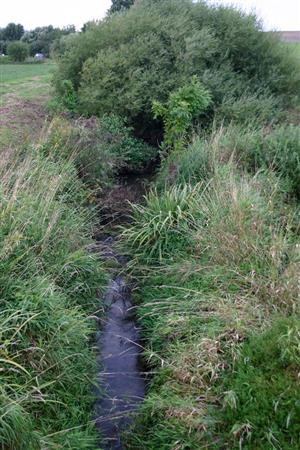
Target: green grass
[
  {"x": 24, "y": 93},
  {"x": 49, "y": 284},
  {"x": 16, "y": 73},
  {"x": 26, "y": 81},
  {"x": 218, "y": 305}
]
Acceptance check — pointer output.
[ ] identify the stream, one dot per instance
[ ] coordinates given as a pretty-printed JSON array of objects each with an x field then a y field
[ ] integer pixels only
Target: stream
[{"x": 121, "y": 377}]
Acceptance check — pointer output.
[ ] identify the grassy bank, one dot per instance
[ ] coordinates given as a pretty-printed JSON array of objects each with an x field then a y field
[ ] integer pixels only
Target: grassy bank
[
  {"x": 216, "y": 256},
  {"x": 49, "y": 285},
  {"x": 49, "y": 281}
]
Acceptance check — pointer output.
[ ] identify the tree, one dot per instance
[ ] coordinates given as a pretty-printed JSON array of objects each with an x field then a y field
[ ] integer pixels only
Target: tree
[
  {"x": 41, "y": 39},
  {"x": 18, "y": 51},
  {"x": 13, "y": 32},
  {"x": 124, "y": 62},
  {"x": 120, "y": 5}
]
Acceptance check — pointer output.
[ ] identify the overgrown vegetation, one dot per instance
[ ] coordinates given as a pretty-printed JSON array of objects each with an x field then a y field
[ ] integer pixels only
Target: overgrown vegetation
[
  {"x": 49, "y": 284},
  {"x": 17, "y": 51},
  {"x": 182, "y": 107},
  {"x": 122, "y": 64},
  {"x": 218, "y": 263},
  {"x": 214, "y": 247}
]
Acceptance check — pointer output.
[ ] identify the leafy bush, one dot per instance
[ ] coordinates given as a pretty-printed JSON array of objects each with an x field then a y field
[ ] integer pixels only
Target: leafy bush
[
  {"x": 123, "y": 63},
  {"x": 101, "y": 148},
  {"x": 107, "y": 147},
  {"x": 68, "y": 97},
  {"x": 135, "y": 155},
  {"x": 17, "y": 51},
  {"x": 182, "y": 108}
]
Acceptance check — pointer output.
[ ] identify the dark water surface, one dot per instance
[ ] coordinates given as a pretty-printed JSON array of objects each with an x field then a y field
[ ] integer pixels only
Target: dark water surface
[{"x": 121, "y": 379}]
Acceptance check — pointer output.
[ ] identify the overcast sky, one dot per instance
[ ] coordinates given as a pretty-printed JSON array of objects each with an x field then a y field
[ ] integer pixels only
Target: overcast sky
[{"x": 276, "y": 14}]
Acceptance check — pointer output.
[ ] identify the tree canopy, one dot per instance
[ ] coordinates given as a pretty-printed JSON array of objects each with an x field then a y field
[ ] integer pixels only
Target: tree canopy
[
  {"x": 120, "y": 5},
  {"x": 126, "y": 61},
  {"x": 12, "y": 32}
]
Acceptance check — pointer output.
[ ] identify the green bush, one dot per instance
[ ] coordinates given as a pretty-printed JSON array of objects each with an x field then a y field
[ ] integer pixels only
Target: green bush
[
  {"x": 17, "y": 51},
  {"x": 68, "y": 96},
  {"x": 107, "y": 147},
  {"x": 183, "y": 106},
  {"x": 123, "y": 63}
]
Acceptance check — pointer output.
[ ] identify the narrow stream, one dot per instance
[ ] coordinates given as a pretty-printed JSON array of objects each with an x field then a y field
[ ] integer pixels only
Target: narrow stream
[{"x": 121, "y": 377}]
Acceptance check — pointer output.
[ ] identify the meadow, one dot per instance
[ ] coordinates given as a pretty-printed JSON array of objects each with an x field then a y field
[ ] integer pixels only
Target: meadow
[
  {"x": 24, "y": 93},
  {"x": 16, "y": 73}
]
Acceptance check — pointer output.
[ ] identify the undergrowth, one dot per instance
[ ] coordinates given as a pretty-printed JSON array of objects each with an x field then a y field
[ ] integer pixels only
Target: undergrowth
[
  {"x": 217, "y": 261},
  {"x": 48, "y": 289}
]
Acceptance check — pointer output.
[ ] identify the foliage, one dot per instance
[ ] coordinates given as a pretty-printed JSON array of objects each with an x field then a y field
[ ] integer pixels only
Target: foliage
[
  {"x": 261, "y": 404},
  {"x": 161, "y": 222},
  {"x": 68, "y": 96},
  {"x": 101, "y": 148},
  {"x": 249, "y": 148},
  {"x": 12, "y": 32},
  {"x": 61, "y": 45},
  {"x": 108, "y": 147},
  {"x": 229, "y": 272},
  {"x": 17, "y": 51},
  {"x": 49, "y": 284},
  {"x": 41, "y": 39},
  {"x": 183, "y": 106},
  {"x": 123, "y": 63},
  {"x": 120, "y": 5}
]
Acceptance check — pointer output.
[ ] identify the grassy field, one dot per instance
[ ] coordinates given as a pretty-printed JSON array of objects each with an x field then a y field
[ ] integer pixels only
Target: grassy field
[
  {"x": 16, "y": 73},
  {"x": 24, "y": 92}
]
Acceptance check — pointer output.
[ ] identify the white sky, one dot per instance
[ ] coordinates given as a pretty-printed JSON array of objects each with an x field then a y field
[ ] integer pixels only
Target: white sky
[{"x": 276, "y": 14}]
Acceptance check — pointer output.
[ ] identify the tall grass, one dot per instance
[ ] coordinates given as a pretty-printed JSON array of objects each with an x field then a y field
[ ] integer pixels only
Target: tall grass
[
  {"x": 48, "y": 288},
  {"x": 219, "y": 307},
  {"x": 251, "y": 149}
]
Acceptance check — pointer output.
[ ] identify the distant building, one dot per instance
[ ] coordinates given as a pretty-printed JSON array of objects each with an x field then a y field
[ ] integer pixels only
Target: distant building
[
  {"x": 290, "y": 36},
  {"x": 39, "y": 57}
]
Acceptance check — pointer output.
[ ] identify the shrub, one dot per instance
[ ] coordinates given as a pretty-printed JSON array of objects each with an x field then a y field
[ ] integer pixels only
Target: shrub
[
  {"x": 101, "y": 148},
  {"x": 68, "y": 96},
  {"x": 182, "y": 108},
  {"x": 123, "y": 63},
  {"x": 18, "y": 51},
  {"x": 107, "y": 147}
]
